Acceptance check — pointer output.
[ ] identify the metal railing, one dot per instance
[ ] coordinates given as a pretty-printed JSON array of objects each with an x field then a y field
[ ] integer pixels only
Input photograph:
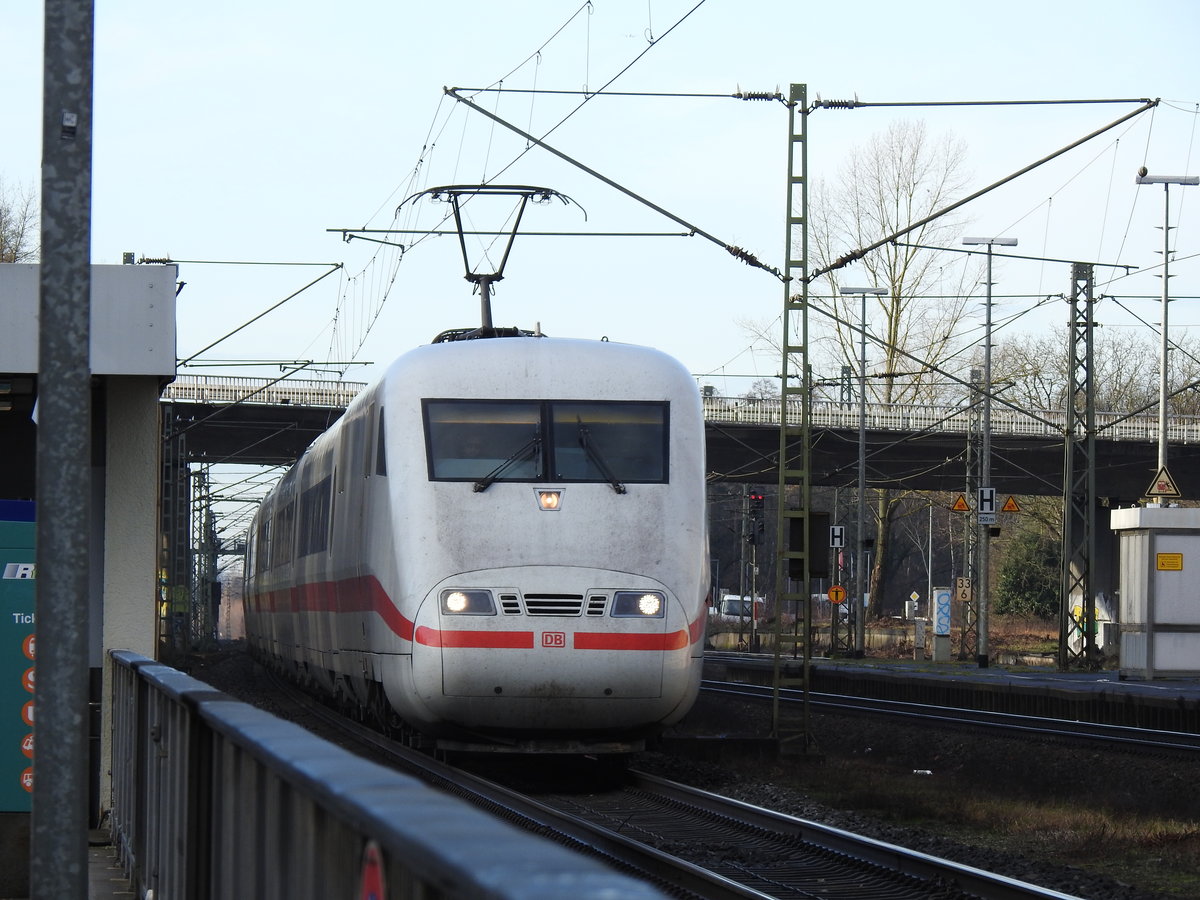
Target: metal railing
[
  {"x": 213, "y": 798},
  {"x": 952, "y": 419},
  {"x": 222, "y": 389}
]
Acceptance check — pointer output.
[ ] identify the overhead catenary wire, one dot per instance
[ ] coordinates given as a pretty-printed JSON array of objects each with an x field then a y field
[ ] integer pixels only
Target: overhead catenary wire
[
  {"x": 913, "y": 226},
  {"x": 865, "y": 104},
  {"x": 335, "y": 267},
  {"x": 350, "y": 233},
  {"x": 738, "y": 252},
  {"x": 671, "y": 95},
  {"x": 1014, "y": 103},
  {"x": 385, "y": 293},
  {"x": 169, "y": 261}
]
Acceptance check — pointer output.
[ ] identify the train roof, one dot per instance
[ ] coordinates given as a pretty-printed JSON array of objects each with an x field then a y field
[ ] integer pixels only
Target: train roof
[{"x": 540, "y": 366}]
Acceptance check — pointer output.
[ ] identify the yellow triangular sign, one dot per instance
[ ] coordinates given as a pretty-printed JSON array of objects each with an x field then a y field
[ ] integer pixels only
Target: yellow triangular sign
[
  {"x": 960, "y": 505},
  {"x": 1010, "y": 505},
  {"x": 1163, "y": 485}
]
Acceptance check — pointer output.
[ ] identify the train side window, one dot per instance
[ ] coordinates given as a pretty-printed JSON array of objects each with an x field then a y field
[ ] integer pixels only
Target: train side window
[
  {"x": 629, "y": 440},
  {"x": 468, "y": 440},
  {"x": 355, "y": 454},
  {"x": 285, "y": 535},
  {"x": 314, "y": 518},
  {"x": 263, "y": 550},
  {"x": 380, "y": 448}
]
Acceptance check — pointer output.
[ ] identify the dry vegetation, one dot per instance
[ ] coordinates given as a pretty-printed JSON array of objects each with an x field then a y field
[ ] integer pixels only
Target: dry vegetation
[{"x": 1132, "y": 819}]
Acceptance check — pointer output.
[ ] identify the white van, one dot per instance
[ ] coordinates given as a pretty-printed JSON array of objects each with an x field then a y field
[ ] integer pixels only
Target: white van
[{"x": 733, "y": 607}]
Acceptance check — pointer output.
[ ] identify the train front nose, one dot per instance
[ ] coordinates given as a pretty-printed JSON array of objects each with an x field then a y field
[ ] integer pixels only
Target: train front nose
[{"x": 597, "y": 653}]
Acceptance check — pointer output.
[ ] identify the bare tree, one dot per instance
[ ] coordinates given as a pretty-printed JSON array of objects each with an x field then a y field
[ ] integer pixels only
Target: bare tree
[
  {"x": 763, "y": 389},
  {"x": 901, "y": 176},
  {"x": 1031, "y": 371},
  {"x": 18, "y": 224}
]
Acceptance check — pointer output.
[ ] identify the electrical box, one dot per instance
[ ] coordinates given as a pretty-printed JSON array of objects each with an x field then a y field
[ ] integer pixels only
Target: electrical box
[{"x": 1160, "y": 591}]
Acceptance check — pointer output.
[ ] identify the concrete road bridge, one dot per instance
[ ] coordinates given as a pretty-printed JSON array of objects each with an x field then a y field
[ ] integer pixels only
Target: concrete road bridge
[{"x": 218, "y": 418}]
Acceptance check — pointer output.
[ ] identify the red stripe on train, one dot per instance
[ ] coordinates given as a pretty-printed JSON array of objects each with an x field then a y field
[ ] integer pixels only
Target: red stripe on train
[
  {"x": 599, "y": 640},
  {"x": 491, "y": 640},
  {"x": 360, "y": 594}
]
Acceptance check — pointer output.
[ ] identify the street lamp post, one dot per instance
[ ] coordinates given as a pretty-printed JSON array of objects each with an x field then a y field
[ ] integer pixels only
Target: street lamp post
[
  {"x": 862, "y": 581},
  {"x": 985, "y": 451},
  {"x": 1163, "y": 386}
]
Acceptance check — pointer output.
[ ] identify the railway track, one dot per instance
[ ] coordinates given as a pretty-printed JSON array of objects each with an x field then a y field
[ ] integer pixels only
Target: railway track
[
  {"x": 688, "y": 842},
  {"x": 1111, "y": 735}
]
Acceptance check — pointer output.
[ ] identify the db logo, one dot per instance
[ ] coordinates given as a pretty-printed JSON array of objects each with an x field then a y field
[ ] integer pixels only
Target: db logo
[
  {"x": 554, "y": 639},
  {"x": 27, "y": 780}
]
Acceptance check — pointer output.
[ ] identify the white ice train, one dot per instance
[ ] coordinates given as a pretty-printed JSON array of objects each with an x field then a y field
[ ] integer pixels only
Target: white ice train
[{"x": 502, "y": 544}]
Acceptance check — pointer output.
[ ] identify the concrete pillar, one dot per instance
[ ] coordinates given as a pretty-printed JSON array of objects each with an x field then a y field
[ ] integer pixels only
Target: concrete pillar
[{"x": 131, "y": 535}]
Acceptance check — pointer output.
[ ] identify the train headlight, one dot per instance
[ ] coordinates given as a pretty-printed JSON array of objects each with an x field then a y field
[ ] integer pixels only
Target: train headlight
[
  {"x": 639, "y": 604},
  {"x": 468, "y": 603}
]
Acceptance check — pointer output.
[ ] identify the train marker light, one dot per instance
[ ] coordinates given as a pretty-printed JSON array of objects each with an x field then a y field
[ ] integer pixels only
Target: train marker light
[{"x": 549, "y": 500}]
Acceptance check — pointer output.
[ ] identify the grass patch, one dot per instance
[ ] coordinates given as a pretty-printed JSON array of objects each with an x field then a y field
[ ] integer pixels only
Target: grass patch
[{"x": 1140, "y": 847}]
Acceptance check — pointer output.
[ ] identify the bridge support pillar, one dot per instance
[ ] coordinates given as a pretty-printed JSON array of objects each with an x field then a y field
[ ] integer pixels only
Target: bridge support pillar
[{"x": 128, "y": 530}]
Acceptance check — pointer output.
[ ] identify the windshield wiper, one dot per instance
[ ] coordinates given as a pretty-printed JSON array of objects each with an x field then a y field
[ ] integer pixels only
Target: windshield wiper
[
  {"x": 528, "y": 450},
  {"x": 593, "y": 453}
]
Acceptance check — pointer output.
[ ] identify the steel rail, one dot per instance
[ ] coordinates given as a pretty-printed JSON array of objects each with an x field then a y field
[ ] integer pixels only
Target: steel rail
[
  {"x": 1116, "y": 735},
  {"x": 968, "y": 879}
]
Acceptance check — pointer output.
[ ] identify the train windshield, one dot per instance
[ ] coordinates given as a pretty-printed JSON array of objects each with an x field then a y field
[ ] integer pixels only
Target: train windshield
[{"x": 554, "y": 440}]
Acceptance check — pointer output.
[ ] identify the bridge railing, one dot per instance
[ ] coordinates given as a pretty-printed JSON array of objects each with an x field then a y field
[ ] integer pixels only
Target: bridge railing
[
  {"x": 942, "y": 419},
  {"x": 222, "y": 389}
]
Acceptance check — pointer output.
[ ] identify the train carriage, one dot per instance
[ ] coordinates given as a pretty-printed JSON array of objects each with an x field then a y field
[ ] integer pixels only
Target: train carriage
[{"x": 502, "y": 543}]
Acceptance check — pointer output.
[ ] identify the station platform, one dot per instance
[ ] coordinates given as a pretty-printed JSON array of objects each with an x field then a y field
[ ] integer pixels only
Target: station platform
[
  {"x": 1023, "y": 674},
  {"x": 1103, "y": 696}
]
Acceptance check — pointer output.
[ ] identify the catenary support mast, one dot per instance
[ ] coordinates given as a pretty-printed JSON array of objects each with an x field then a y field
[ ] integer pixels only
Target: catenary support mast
[{"x": 792, "y": 728}]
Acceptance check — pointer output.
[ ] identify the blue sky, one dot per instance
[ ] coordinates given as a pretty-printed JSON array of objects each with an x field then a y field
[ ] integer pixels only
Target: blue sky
[{"x": 242, "y": 131}]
